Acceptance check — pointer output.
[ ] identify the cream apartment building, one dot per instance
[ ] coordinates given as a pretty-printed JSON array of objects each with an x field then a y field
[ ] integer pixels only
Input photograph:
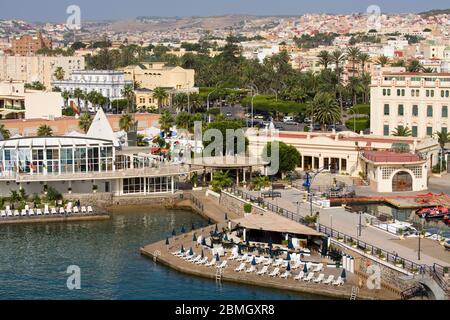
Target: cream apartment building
[
  {"x": 418, "y": 101},
  {"x": 151, "y": 75},
  {"x": 37, "y": 68}
]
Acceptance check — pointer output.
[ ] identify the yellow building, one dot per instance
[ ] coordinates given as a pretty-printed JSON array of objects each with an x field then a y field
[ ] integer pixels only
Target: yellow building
[{"x": 151, "y": 75}]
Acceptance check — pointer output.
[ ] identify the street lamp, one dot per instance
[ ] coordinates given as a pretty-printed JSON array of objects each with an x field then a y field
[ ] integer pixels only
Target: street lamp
[
  {"x": 254, "y": 88},
  {"x": 307, "y": 185}
]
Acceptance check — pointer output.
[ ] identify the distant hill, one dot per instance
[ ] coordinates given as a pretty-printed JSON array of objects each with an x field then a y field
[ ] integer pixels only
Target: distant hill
[{"x": 434, "y": 12}]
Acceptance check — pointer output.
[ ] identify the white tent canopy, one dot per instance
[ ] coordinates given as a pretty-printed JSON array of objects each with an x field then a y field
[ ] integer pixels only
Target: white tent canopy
[{"x": 100, "y": 128}]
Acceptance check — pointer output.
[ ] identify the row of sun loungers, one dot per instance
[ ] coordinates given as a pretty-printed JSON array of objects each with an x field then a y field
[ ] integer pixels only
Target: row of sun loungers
[
  {"x": 8, "y": 213},
  {"x": 198, "y": 260}
]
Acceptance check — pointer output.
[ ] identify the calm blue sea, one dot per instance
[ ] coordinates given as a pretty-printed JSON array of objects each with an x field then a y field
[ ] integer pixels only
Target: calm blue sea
[{"x": 34, "y": 261}]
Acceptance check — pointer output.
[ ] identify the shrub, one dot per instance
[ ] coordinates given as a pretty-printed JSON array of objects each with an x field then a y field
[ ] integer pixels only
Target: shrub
[
  {"x": 53, "y": 194},
  {"x": 247, "y": 208},
  {"x": 358, "y": 124}
]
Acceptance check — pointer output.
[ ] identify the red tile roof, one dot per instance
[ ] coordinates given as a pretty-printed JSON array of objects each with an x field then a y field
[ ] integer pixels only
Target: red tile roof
[{"x": 391, "y": 156}]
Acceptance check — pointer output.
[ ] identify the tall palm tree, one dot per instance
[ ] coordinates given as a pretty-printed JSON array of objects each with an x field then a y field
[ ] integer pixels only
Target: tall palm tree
[
  {"x": 339, "y": 58},
  {"x": 85, "y": 122},
  {"x": 324, "y": 109},
  {"x": 401, "y": 131},
  {"x": 166, "y": 121},
  {"x": 415, "y": 66},
  {"x": 353, "y": 55},
  {"x": 324, "y": 58},
  {"x": 363, "y": 59},
  {"x": 428, "y": 70},
  {"x": 126, "y": 122},
  {"x": 160, "y": 94},
  {"x": 66, "y": 95},
  {"x": 383, "y": 60},
  {"x": 356, "y": 87},
  {"x": 79, "y": 95},
  {"x": 59, "y": 73},
  {"x": 443, "y": 138},
  {"x": 128, "y": 93},
  {"x": 44, "y": 131},
  {"x": 4, "y": 132}
]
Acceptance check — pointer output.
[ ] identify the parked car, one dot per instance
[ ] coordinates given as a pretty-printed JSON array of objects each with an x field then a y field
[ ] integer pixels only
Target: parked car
[{"x": 287, "y": 119}]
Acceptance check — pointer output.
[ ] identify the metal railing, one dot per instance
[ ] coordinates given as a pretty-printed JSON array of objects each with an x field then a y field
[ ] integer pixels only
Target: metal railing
[{"x": 195, "y": 201}]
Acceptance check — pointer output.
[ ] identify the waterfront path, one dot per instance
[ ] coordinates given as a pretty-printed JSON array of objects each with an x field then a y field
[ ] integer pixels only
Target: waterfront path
[
  {"x": 212, "y": 209},
  {"x": 347, "y": 222}
]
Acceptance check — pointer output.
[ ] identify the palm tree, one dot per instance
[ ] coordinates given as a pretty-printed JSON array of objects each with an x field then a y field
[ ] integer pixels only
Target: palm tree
[
  {"x": 324, "y": 109},
  {"x": 324, "y": 58},
  {"x": 166, "y": 121},
  {"x": 221, "y": 180},
  {"x": 401, "y": 131},
  {"x": 428, "y": 70},
  {"x": 356, "y": 87},
  {"x": 126, "y": 122},
  {"x": 353, "y": 54},
  {"x": 66, "y": 95},
  {"x": 59, "y": 73},
  {"x": 79, "y": 95},
  {"x": 339, "y": 58},
  {"x": 363, "y": 59},
  {"x": 415, "y": 66},
  {"x": 44, "y": 131},
  {"x": 442, "y": 138},
  {"x": 160, "y": 94},
  {"x": 128, "y": 93},
  {"x": 85, "y": 122},
  {"x": 383, "y": 60},
  {"x": 4, "y": 132}
]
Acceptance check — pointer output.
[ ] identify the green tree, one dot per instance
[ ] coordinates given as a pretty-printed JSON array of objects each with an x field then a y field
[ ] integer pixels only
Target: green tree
[
  {"x": 324, "y": 109},
  {"x": 5, "y": 133},
  {"x": 79, "y": 95},
  {"x": 166, "y": 121},
  {"x": 415, "y": 66},
  {"x": 44, "y": 131},
  {"x": 324, "y": 58},
  {"x": 353, "y": 54},
  {"x": 140, "y": 141},
  {"x": 85, "y": 121},
  {"x": 443, "y": 138},
  {"x": 59, "y": 73},
  {"x": 339, "y": 58},
  {"x": 126, "y": 122},
  {"x": 129, "y": 95},
  {"x": 401, "y": 131},
  {"x": 289, "y": 157},
  {"x": 224, "y": 125},
  {"x": 221, "y": 180},
  {"x": 160, "y": 94},
  {"x": 383, "y": 60}
]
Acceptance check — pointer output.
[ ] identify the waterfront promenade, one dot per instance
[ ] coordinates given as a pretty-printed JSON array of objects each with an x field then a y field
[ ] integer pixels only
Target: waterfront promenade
[{"x": 347, "y": 222}]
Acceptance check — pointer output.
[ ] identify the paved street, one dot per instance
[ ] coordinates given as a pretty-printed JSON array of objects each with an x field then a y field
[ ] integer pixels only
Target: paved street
[{"x": 347, "y": 222}]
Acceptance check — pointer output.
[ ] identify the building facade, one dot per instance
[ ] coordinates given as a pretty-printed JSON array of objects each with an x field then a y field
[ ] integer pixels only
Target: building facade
[
  {"x": 37, "y": 68},
  {"x": 28, "y": 45},
  {"x": 415, "y": 100}
]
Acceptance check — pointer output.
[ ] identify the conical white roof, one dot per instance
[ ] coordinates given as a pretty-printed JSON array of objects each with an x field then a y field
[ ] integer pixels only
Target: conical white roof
[{"x": 100, "y": 128}]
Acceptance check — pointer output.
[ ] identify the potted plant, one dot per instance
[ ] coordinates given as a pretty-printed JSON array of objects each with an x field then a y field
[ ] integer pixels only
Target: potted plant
[
  {"x": 247, "y": 208},
  {"x": 45, "y": 189},
  {"x": 400, "y": 234},
  {"x": 367, "y": 222},
  {"x": 69, "y": 190},
  {"x": 94, "y": 188}
]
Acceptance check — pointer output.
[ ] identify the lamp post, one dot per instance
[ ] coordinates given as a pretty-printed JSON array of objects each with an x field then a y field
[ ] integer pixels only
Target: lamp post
[
  {"x": 359, "y": 225},
  {"x": 307, "y": 185}
]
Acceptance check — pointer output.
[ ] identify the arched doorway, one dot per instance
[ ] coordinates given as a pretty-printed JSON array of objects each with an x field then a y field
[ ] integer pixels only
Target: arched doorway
[{"x": 402, "y": 181}]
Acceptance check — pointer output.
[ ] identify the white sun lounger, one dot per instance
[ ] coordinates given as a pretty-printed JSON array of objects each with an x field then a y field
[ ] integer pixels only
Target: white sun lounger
[
  {"x": 23, "y": 213},
  {"x": 339, "y": 282},
  {"x": 234, "y": 256},
  {"x": 260, "y": 260},
  {"x": 89, "y": 209},
  {"x": 211, "y": 263},
  {"x": 240, "y": 268},
  {"x": 318, "y": 268},
  {"x": 249, "y": 259},
  {"x": 275, "y": 272},
  {"x": 3, "y": 213},
  {"x": 8, "y": 208},
  {"x": 83, "y": 209},
  {"x": 243, "y": 258},
  {"x": 16, "y": 213},
  {"x": 268, "y": 262},
  {"x": 222, "y": 265},
  {"x": 203, "y": 261},
  {"x": 31, "y": 212},
  {"x": 251, "y": 269},
  {"x": 176, "y": 252},
  {"x": 285, "y": 275},
  {"x": 278, "y": 262},
  {"x": 297, "y": 265},
  {"x": 299, "y": 276},
  {"x": 9, "y": 213},
  {"x": 53, "y": 211},
  {"x": 329, "y": 280},
  {"x": 320, "y": 278},
  {"x": 197, "y": 258},
  {"x": 188, "y": 257},
  {"x": 76, "y": 210},
  {"x": 263, "y": 270},
  {"x": 46, "y": 209},
  {"x": 61, "y": 210},
  {"x": 39, "y": 212},
  {"x": 27, "y": 207},
  {"x": 309, "y": 277}
]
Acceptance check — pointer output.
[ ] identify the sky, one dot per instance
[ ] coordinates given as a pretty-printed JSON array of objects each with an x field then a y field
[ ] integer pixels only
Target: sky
[{"x": 55, "y": 10}]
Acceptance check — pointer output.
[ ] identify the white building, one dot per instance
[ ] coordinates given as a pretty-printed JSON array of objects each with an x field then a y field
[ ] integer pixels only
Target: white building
[
  {"x": 415, "y": 100},
  {"x": 109, "y": 83}
]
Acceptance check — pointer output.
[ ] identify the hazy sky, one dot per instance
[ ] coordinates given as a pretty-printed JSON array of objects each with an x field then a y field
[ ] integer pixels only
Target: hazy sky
[{"x": 55, "y": 10}]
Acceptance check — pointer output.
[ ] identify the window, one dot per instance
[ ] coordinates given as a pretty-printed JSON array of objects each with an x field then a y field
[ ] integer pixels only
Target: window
[
  {"x": 52, "y": 160},
  {"x": 386, "y": 130},
  {"x": 415, "y": 110},
  {"x": 429, "y": 131},
  {"x": 133, "y": 185},
  {"x": 415, "y": 93},
  {"x": 444, "y": 130},
  {"x": 414, "y": 131},
  {"x": 386, "y": 92},
  {"x": 429, "y": 111},
  {"x": 386, "y": 109},
  {"x": 444, "y": 111},
  {"x": 66, "y": 160},
  {"x": 400, "y": 110}
]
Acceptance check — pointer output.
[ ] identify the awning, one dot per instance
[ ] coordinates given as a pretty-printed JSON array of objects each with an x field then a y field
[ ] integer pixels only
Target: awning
[{"x": 274, "y": 223}]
